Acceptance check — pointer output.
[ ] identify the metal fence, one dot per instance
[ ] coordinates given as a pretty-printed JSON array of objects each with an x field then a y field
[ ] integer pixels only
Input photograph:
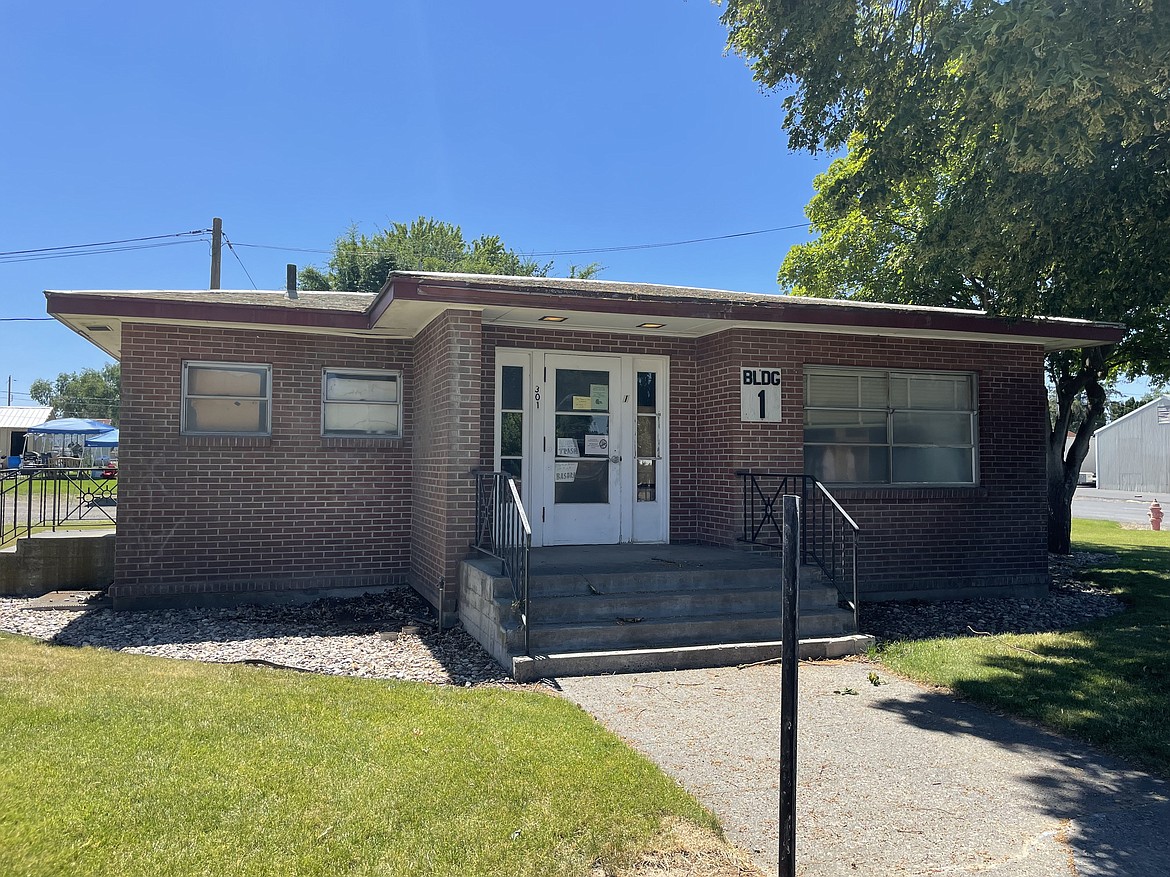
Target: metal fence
[{"x": 55, "y": 498}]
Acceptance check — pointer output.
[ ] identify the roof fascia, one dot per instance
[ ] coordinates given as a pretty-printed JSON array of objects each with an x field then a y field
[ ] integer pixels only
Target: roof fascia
[
  {"x": 829, "y": 316},
  {"x": 161, "y": 310}
]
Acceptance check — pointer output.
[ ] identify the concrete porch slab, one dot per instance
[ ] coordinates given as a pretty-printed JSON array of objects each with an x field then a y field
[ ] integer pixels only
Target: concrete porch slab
[{"x": 69, "y": 600}]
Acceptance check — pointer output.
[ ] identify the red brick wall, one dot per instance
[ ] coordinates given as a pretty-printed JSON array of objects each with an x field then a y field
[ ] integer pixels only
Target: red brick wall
[
  {"x": 295, "y": 510},
  {"x": 288, "y": 511},
  {"x": 915, "y": 540},
  {"x": 446, "y": 449}
]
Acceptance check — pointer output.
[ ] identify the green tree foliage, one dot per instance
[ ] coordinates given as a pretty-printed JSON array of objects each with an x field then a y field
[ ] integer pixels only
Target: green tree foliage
[
  {"x": 1007, "y": 156},
  {"x": 361, "y": 263},
  {"x": 87, "y": 393}
]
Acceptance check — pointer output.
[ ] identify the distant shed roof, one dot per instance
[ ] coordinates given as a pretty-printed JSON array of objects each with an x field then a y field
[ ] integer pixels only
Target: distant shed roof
[{"x": 23, "y": 416}]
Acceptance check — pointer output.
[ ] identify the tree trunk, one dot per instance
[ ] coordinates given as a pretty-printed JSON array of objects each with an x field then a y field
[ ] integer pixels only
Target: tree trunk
[{"x": 1064, "y": 468}]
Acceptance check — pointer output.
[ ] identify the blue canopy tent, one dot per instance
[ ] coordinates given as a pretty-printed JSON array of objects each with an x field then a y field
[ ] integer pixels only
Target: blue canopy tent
[
  {"x": 71, "y": 426},
  {"x": 52, "y": 444},
  {"x": 105, "y": 440}
]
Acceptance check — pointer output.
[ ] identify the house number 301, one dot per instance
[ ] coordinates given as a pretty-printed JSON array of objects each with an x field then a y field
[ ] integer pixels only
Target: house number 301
[{"x": 536, "y": 395}]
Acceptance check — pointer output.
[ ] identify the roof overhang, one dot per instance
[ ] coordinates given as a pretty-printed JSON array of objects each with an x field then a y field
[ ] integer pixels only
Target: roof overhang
[{"x": 411, "y": 300}]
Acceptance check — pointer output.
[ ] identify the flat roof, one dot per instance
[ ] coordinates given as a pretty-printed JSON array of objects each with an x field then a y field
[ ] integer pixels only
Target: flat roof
[{"x": 411, "y": 299}]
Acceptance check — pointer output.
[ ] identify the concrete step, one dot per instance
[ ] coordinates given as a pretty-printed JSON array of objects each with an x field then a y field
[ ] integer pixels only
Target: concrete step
[
  {"x": 623, "y": 632},
  {"x": 681, "y": 604},
  {"x": 526, "y": 669}
]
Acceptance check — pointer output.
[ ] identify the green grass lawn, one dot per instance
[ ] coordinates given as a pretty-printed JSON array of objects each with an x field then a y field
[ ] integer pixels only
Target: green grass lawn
[
  {"x": 1108, "y": 682},
  {"x": 118, "y": 764}
]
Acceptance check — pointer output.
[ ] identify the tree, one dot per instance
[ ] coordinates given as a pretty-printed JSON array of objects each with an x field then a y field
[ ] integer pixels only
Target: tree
[
  {"x": 90, "y": 393},
  {"x": 361, "y": 262},
  {"x": 1007, "y": 156}
]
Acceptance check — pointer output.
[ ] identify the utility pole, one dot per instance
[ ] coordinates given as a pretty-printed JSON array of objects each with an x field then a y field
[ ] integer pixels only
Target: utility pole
[
  {"x": 10, "y": 391},
  {"x": 216, "y": 250}
]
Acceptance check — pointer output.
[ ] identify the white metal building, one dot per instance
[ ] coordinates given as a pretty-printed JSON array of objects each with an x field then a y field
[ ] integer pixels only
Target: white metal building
[
  {"x": 15, "y": 420},
  {"x": 1133, "y": 452}
]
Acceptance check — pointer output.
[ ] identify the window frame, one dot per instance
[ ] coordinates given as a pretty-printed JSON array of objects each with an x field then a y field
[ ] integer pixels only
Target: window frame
[
  {"x": 890, "y": 445},
  {"x": 266, "y": 399},
  {"x": 349, "y": 434}
]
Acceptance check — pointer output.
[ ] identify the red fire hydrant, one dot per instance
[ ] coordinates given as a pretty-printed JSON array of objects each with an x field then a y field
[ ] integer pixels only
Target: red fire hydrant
[{"x": 1155, "y": 515}]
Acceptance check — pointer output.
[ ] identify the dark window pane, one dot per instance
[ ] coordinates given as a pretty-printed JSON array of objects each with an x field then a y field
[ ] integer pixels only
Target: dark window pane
[
  {"x": 512, "y": 393},
  {"x": 582, "y": 481},
  {"x": 511, "y": 467},
  {"x": 932, "y": 465},
  {"x": 932, "y": 428},
  {"x": 831, "y": 427},
  {"x": 581, "y": 390},
  {"x": 511, "y": 434},
  {"x": 574, "y": 428},
  {"x": 647, "y": 393}
]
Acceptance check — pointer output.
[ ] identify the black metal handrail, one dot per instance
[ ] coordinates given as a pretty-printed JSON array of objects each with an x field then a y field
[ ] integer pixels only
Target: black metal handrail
[
  {"x": 502, "y": 531},
  {"x": 52, "y": 497},
  {"x": 828, "y": 537}
]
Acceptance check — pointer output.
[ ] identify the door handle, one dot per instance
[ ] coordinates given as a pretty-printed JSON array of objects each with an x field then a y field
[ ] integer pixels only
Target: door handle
[{"x": 616, "y": 458}]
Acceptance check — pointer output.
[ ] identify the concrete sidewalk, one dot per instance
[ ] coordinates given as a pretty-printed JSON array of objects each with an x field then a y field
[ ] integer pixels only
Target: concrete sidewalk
[{"x": 892, "y": 779}]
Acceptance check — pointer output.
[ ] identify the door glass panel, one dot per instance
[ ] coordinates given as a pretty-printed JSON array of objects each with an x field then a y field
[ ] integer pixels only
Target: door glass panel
[
  {"x": 512, "y": 434},
  {"x": 647, "y": 480},
  {"x": 582, "y": 390},
  {"x": 647, "y": 393},
  {"x": 512, "y": 391},
  {"x": 582, "y": 458},
  {"x": 647, "y": 438},
  {"x": 581, "y": 481}
]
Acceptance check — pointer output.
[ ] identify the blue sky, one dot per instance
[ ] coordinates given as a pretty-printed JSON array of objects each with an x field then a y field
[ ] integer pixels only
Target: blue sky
[{"x": 556, "y": 126}]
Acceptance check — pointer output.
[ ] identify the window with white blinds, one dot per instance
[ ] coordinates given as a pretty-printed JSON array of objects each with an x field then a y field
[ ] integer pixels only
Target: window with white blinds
[{"x": 889, "y": 427}]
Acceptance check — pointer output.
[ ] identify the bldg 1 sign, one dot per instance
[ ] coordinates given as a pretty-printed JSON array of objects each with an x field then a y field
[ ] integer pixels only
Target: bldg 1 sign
[{"x": 759, "y": 395}]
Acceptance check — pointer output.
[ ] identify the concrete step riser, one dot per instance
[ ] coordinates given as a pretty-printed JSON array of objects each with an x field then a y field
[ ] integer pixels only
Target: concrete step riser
[
  {"x": 598, "y": 637},
  {"x": 686, "y": 605},
  {"x": 667, "y": 580}
]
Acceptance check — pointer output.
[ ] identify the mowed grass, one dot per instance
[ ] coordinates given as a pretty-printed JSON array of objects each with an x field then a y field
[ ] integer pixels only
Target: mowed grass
[
  {"x": 117, "y": 764},
  {"x": 1108, "y": 682}
]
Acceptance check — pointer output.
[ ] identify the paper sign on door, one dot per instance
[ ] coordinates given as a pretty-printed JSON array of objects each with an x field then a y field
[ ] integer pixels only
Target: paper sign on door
[
  {"x": 596, "y": 446},
  {"x": 567, "y": 447},
  {"x": 565, "y": 472},
  {"x": 599, "y": 396}
]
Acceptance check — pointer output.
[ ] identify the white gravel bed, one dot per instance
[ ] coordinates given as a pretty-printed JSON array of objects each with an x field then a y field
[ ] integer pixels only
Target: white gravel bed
[{"x": 378, "y": 636}]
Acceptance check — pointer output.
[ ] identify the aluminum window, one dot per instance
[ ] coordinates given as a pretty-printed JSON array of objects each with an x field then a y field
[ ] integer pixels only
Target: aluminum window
[
  {"x": 361, "y": 402},
  {"x": 890, "y": 427},
  {"x": 226, "y": 398}
]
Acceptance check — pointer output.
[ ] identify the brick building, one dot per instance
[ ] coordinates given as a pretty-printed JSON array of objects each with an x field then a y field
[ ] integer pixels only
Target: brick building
[{"x": 275, "y": 441}]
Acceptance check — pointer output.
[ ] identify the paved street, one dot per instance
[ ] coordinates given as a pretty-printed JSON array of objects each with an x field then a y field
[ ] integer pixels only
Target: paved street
[{"x": 1116, "y": 505}]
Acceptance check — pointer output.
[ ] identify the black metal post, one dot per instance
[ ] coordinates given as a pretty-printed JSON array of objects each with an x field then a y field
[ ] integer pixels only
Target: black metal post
[{"x": 788, "y": 665}]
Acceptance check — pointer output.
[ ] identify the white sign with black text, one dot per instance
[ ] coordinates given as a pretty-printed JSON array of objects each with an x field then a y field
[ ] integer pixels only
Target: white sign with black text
[{"x": 759, "y": 395}]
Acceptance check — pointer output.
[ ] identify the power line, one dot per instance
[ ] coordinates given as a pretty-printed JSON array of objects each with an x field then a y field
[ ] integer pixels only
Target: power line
[
  {"x": 46, "y": 256},
  {"x": 26, "y": 319},
  {"x": 153, "y": 237},
  {"x": 241, "y": 261},
  {"x": 574, "y": 252}
]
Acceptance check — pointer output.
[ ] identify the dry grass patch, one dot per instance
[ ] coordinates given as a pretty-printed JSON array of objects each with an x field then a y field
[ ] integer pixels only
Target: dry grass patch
[{"x": 684, "y": 849}]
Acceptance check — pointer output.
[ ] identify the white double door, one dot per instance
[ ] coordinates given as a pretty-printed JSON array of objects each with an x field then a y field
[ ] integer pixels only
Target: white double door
[{"x": 596, "y": 470}]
